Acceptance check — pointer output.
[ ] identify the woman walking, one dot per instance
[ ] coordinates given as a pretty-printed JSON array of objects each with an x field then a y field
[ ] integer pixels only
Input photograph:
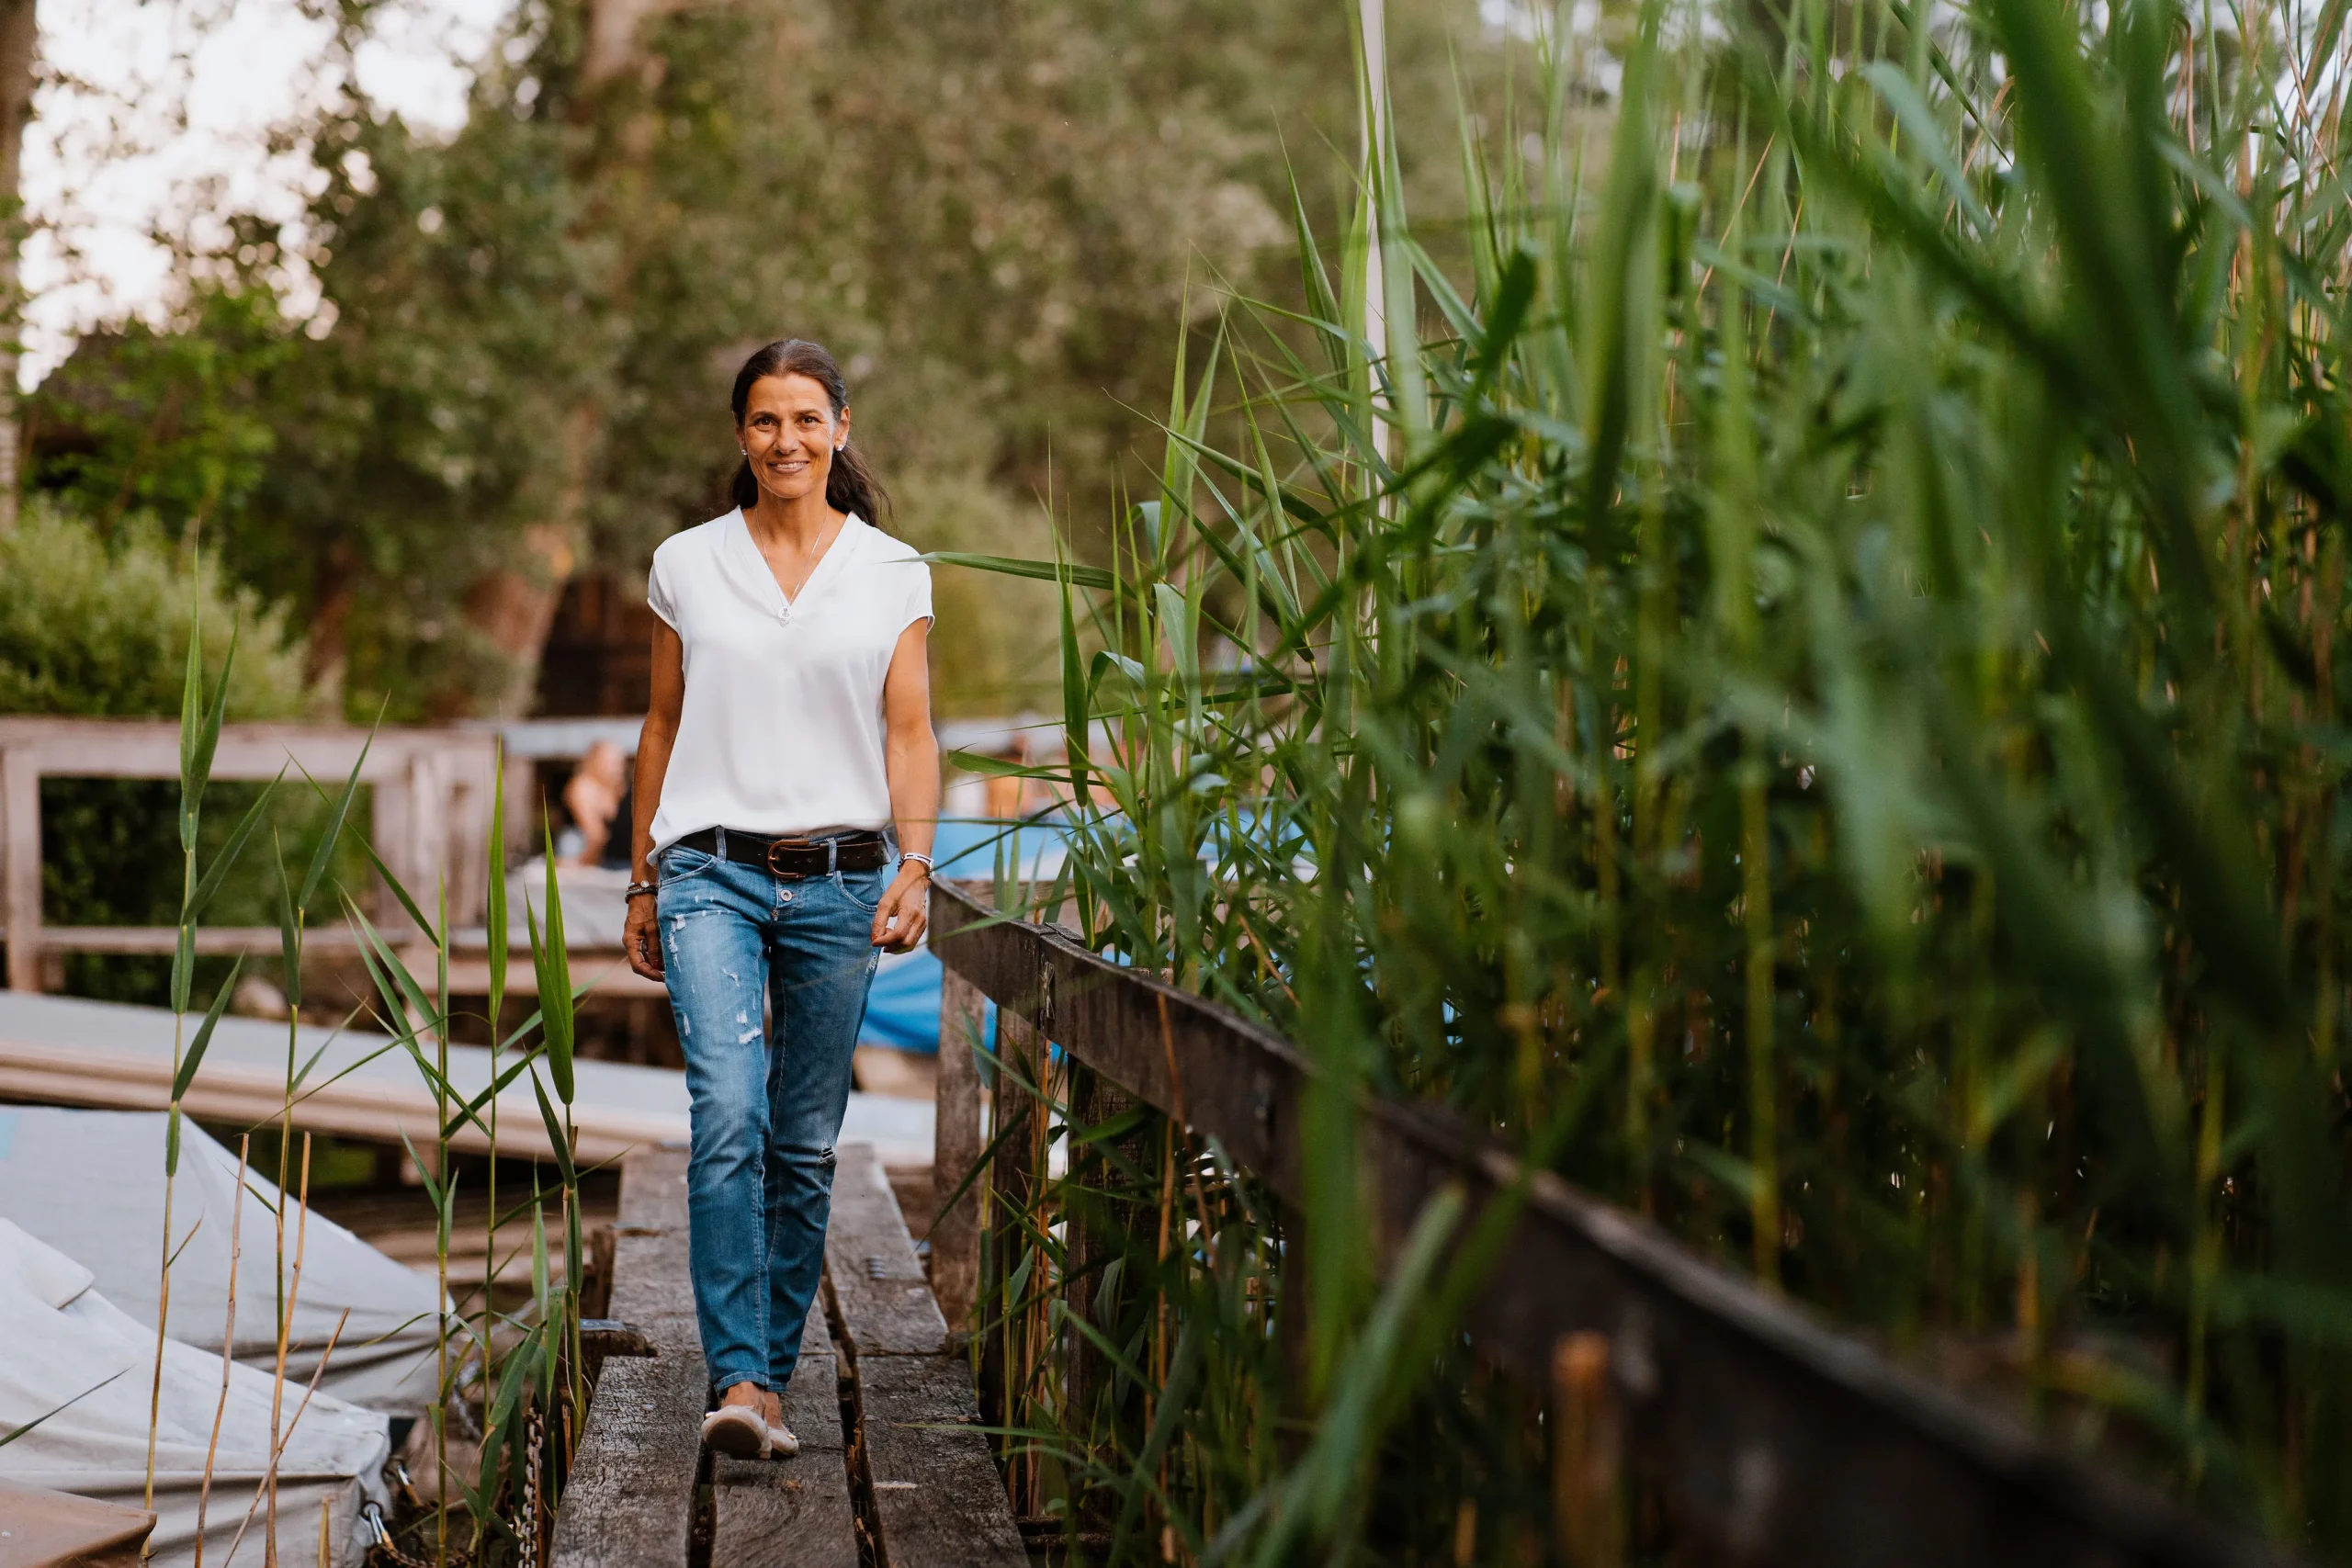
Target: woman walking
[{"x": 789, "y": 736}]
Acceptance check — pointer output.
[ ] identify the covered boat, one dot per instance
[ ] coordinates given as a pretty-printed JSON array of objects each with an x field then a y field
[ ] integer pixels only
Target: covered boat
[
  {"x": 90, "y": 1183},
  {"x": 78, "y": 1387}
]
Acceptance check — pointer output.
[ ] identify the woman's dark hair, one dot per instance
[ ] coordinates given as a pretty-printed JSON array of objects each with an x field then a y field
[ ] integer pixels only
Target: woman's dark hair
[{"x": 851, "y": 486}]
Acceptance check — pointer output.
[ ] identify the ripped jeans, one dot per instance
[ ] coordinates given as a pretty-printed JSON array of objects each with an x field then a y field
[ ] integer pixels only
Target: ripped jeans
[{"x": 768, "y": 980}]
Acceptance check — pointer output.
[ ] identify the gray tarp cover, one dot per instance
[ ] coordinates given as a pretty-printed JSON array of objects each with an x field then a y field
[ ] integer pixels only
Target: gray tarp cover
[
  {"x": 72, "y": 1353},
  {"x": 90, "y": 1183}
]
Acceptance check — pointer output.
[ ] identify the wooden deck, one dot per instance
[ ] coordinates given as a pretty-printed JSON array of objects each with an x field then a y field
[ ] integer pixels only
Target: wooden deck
[
  {"x": 891, "y": 1469},
  {"x": 71, "y": 1051}
]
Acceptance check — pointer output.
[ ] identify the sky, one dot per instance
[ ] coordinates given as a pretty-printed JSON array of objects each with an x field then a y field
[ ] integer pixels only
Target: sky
[{"x": 150, "y": 116}]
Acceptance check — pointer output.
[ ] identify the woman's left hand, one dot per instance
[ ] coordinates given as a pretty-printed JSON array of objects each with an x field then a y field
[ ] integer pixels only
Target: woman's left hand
[{"x": 904, "y": 912}]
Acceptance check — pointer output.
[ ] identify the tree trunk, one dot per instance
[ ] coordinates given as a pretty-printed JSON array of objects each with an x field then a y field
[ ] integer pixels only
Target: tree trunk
[
  {"x": 17, "y": 37},
  {"x": 515, "y": 607}
]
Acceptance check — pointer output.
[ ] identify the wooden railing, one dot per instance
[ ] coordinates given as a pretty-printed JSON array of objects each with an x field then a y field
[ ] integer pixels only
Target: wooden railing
[
  {"x": 430, "y": 792},
  {"x": 1769, "y": 1437}
]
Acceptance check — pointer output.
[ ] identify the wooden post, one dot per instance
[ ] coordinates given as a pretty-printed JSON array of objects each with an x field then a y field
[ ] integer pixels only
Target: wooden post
[
  {"x": 955, "y": 1149},
  {"x": 1013, "y": 1177},
  {"x": 522, "y": 823},
  {"x": 1097, "y": 1233},
  {"x": 422, "y": 859},
  {"x": 392, "y": 818},
  {"x": 21, "y": 863},
  {"x": 465, "y": 837}
]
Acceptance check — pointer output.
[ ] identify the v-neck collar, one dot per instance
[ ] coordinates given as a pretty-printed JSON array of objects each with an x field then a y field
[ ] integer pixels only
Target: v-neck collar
[{"x": 749, "y": 559}]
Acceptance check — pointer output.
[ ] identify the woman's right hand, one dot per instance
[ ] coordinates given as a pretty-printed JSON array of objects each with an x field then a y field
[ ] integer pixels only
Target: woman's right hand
[{"x": 641, "y": 937}]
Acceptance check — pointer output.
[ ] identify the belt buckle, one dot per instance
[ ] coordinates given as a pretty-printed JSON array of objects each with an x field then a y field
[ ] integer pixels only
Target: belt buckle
[{"x": 778, "y": 872}]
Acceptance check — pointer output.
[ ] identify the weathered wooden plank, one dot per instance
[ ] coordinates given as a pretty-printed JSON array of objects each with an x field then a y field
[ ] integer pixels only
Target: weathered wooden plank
[
  {"x": 794, "y": 1512},
  {"x": 1013, "y": 1184},
  {"x": 57, "y": 1529},
  {"x": 630, "y": 1499},
  {"x": 147, "y": 748},
  {"x": 210, "y": 940},
  {"x": 937, "y": 1499},
  {"x": 957, "y": 1144},
  {"x": 653, "y": 1193},
  {"x": 1777, "y": 1438},
  {"x": 813, "y": 1405},
  {"x": 876, "y": 1281},
  {"x": 20, "y": 865},
  {"x": 604, "y": 968},
  {"x": 429, "y": 787}
]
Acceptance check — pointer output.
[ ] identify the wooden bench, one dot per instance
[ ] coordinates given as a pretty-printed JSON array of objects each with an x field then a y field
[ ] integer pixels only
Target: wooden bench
[{"x": 886, "y": 1417}]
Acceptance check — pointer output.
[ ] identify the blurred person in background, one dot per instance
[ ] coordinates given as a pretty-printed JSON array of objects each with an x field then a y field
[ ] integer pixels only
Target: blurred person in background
[{"x": 597, "y": 796}]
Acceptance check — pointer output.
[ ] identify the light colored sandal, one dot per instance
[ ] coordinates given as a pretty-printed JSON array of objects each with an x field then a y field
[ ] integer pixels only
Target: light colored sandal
[
  {"x": 738, "y": 1431},
  {"x": 782, "y": 1444}
]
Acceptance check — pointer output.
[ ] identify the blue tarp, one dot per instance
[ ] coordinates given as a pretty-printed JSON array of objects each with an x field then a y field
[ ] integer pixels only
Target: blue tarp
[{"x": 902, "y": 1010}]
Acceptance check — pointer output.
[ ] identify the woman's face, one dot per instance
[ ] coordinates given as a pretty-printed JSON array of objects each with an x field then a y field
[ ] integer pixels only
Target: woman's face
[{"x": 790, "y": 434}]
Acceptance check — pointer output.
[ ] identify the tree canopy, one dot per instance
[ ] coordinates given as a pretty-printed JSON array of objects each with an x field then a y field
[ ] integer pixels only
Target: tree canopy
[{"x": 998, "y": 215}]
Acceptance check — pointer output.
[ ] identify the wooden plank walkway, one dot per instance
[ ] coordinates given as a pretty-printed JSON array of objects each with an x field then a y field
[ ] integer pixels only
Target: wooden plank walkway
[
  {"x": 891, "y": 1469},
  {"x": 935, "y": 1498},
  {"x": 630, "y": 1499}
]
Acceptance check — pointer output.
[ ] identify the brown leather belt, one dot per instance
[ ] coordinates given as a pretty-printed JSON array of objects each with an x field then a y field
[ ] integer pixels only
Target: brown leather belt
[{"x": 792, "y": 859}]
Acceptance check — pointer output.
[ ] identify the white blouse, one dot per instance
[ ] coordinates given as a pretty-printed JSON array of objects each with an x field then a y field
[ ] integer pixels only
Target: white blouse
[{"x": 781, "y": 730}]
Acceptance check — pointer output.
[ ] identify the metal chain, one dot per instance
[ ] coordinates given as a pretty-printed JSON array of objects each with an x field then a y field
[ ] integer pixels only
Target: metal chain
[
  {"x": 527, "y": 1527},
  {"x": 531, "y": 1481},
  {"x": 374, "y": 1514}
]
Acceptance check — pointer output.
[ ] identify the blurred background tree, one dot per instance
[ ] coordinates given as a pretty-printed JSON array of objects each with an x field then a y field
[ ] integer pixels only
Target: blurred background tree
[{"x": 515, "y": 378}]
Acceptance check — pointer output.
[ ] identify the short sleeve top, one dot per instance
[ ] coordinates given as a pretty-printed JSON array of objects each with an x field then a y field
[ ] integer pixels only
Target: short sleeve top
[{"x": 781, "y": 730}]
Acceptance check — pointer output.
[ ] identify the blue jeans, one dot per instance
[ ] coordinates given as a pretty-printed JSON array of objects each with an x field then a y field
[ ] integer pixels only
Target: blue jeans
[{"x": 768, "y": 980}]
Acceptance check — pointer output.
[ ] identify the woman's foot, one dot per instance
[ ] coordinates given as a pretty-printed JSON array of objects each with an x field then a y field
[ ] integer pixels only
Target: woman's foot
[
  {"x": 782, "y": 1444},
  {"x": 739, "y": 1427}
]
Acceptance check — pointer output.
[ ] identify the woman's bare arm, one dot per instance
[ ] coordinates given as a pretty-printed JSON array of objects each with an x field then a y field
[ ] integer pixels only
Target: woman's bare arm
[
  {"x": 640, "y": 938},
  {"x": 910, "y": 759}
]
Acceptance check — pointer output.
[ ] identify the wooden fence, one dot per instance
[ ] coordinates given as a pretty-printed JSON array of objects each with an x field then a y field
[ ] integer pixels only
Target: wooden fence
[
  {"x": 430, "y": 791},
  {"x": 1771, "y": 1438}
]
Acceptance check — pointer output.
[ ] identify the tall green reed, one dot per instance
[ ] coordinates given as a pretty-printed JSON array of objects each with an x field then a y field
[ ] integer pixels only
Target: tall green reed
[
  {"x": 1803, "y": 693},
  {"x": 513, "y": 1377}
]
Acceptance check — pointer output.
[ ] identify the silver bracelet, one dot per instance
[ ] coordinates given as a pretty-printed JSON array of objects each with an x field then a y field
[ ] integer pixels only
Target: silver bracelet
[
  {"x": 917, "y": 854},
  {"x": 636, "y": 889}
]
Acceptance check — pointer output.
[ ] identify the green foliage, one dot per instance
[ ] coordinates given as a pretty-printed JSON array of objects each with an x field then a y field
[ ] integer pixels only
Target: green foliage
[
  {"x": 520, "y": 366},
  {"x": 1820, "y": 717},
  {"x": 166, "y": 423},
  {"x": 994, "y": 644},
  {"x": 516, "y": 1376},
  {"x": 99, "y": 627}
]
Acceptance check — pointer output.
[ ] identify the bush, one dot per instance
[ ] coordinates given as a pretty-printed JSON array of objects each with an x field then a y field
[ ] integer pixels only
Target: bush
[{"x": 94, "y": 625}]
